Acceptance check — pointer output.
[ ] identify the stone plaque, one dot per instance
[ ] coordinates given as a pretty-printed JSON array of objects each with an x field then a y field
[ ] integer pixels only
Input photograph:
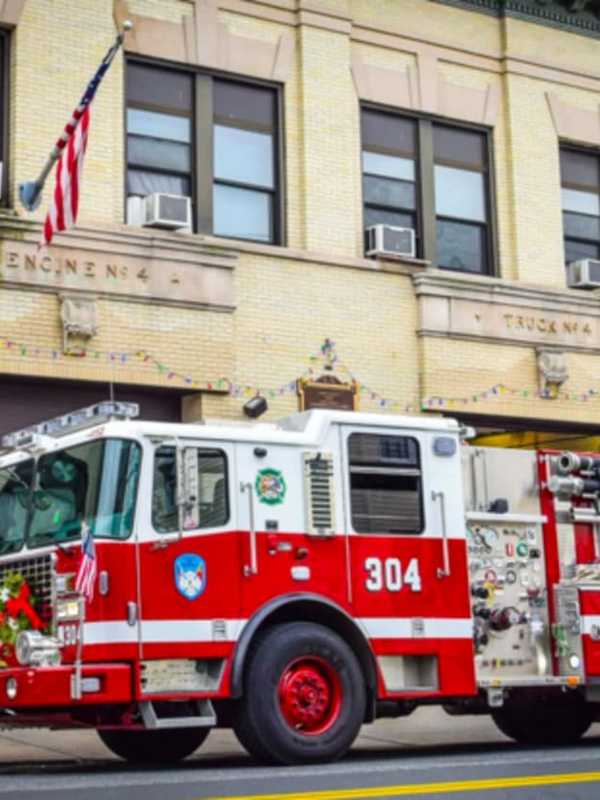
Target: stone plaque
[
  {"x": 183, "y": 275},
  {"x": 327, "y": 392},
  {"x": 486, "y": 317}
]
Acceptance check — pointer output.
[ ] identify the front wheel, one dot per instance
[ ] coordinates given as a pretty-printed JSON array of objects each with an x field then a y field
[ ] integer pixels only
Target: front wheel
[
  {"x": 163, "y": 747},
  {"x": 304, "y": 696},
  {"x": 558, "y": 720}
]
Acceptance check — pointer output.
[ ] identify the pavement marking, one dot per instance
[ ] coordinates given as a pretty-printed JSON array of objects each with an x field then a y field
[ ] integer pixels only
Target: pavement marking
[{"x": 518, "y": 782}]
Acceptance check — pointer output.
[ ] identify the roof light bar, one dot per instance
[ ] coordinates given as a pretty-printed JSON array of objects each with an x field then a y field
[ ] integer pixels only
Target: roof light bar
[{"x": 68, "y": 423}]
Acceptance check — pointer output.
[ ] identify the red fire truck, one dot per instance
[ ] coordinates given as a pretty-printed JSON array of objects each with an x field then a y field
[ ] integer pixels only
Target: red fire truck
[{"x": 293, "y": 581}]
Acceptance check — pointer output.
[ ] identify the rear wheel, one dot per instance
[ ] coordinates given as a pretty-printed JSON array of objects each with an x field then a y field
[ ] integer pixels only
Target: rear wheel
[
  {"x": 165, "y": 747},
  {"x": 545, "y": 720},
  {"x": 304, "y": 696}
]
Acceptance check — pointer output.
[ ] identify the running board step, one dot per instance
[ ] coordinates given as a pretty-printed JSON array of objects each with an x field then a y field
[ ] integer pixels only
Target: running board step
[{"x": 204, "y": 717}]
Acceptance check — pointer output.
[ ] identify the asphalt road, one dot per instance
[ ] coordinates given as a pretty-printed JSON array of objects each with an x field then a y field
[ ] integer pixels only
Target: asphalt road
[{"x": 426, "y": 755}]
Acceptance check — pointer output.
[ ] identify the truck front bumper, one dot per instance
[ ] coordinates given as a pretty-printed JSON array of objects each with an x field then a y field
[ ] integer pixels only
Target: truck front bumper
[{"x": 22, "y": 688}]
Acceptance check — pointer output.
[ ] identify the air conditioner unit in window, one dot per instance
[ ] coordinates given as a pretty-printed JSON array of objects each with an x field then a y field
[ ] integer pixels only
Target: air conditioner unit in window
[
  {"x": 387, "y": 240},
  {"x": 157, "y": 210},
  {"x": 584, "y": 274}
]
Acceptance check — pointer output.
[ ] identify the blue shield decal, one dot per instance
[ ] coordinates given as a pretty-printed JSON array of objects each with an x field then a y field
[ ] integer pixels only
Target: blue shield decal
[{"x": 190, "y": 575}]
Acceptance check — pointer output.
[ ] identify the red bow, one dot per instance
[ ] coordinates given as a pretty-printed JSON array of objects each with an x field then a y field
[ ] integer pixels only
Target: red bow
[{"x": 21, "y": 604}]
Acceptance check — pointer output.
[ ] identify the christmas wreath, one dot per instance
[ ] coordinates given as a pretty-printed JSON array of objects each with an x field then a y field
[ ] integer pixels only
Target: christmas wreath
[{"x": 17, "y": 613}]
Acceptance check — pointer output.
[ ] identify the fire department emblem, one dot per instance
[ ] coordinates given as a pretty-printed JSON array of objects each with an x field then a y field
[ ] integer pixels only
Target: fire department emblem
[
  {"x": 270, "y": 486},
  {"x": 190, "y": 575}
]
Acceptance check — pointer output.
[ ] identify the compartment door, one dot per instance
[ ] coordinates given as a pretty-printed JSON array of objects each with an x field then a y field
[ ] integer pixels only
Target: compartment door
[{"x": 408, "y": 561}]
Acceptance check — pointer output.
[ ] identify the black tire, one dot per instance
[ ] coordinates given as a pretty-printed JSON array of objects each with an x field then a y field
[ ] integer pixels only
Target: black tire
[
  {"x": 304, "y": 696},
  {"x": 158, "y": 747},
  {"x": 545, "y": 721}
]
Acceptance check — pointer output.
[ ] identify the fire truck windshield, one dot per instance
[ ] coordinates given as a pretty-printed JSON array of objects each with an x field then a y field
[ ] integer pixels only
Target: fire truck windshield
[
  {"x": 15, "y": 493},
  {"x": 45, "y": 503},
  {"x": 94, "y": 482}
]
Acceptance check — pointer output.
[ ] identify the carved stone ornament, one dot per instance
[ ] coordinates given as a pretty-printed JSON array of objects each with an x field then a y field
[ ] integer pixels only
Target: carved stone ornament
[
  {"x": 552, "y": 371},
  {"x": 79, "y": 321},
  {"x": 578, "y": 16}
]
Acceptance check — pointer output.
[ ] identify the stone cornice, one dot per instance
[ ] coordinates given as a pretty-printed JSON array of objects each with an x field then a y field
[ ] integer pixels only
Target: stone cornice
[
  {"x": 443, "y": 283},
  {"x": 577, "y": 16},
  {"x": 10, "y": 12}
]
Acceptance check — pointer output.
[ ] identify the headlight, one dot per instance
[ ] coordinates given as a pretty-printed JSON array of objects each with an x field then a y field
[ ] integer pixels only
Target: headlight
[
  {"x": 33, "y": 649},
  {"x": 11, "y": 688},
  {"x": 65, "y": 583},
  {"x": 574, "y": 661},
  {"x": 67, "y": 610}
]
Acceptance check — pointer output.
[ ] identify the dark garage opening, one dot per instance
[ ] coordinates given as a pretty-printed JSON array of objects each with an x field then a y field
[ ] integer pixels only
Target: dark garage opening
[{"x": 26, "y": 401}]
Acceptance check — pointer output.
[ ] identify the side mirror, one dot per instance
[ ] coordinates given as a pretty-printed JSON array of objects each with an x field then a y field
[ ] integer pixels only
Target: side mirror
[{"x": 188, "y": 488}]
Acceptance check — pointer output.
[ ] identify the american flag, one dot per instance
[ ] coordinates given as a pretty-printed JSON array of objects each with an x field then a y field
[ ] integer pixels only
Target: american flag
[
  {"x": 71, "y": 145},
  {"x": 86, "y": 576}
]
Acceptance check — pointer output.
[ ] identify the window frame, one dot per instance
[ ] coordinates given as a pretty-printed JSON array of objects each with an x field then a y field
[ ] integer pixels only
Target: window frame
[
  {"x": 426, "y": 233},
  {"x": 226, "y": 474},
  {"x": 4, "y": 111},
  {"x": 566, "y": 146},
  {"x": 202, "y": 144},
  {"x": 418, "y": 530}
]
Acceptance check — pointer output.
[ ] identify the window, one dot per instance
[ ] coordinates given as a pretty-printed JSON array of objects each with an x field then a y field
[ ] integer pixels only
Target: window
[
  {"x": 94, "y": 483},
  {"x": 385, "y": 484},
  {"x": 212, "y": 490},
  {"x": 4, "y": 115},
  {"x": 433, "y": 178},
  {"x": 389, "y": 170},
  {"x": 210, "y": 139},
  {"x": 580, "y": 179}
]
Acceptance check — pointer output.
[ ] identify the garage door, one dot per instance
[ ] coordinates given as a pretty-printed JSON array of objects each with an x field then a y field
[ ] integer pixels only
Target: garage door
[{"x": 24, "y": 402}]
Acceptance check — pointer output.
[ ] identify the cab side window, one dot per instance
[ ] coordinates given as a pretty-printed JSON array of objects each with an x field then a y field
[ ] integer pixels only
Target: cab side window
[
  {"x": 212, "y": 489},
  {"x": 385, "y": 484}
]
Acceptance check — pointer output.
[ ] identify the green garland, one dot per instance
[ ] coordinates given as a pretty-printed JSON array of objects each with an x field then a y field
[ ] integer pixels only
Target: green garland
[{"x": 16, "y": 614}]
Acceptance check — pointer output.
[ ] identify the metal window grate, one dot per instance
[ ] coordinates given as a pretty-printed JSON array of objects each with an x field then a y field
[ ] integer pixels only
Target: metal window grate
[
  {"x": 39, "y": 574},
  {"x": 319, "y": 492}
]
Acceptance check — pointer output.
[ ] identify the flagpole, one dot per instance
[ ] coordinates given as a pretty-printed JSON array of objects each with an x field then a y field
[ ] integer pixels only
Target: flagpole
[{"x": 30, "y": 192}]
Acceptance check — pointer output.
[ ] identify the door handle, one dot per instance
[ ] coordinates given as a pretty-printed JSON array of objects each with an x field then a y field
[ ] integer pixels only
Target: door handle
[
  {"x": 444, "y": 571},
  {"x": 252, "y": 567}
]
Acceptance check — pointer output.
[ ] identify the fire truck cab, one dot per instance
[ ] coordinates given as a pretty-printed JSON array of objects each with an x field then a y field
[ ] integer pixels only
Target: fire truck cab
[{"x": 293, "y": 581}]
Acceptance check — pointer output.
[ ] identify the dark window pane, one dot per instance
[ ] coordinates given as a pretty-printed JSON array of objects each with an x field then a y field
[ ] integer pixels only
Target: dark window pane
[
  {"x": 377, "y": 216},
  {"x": 581, "y": 226},
  {"x": 461, "y": 246},
  {"x": 244, "y": 104},
  {"x": 368, "y": 449},
  {"x": 159, "y": 87},
  {"x": 453, "y": 146},
  {"x": 243, "y": 156},
  {"x": 580, "y": 169},
  {"x": 384, "y": 192},
  {"x": 574, "y": 251},
  {"x": 459, "y": 193},
  {"x": 388, "y": 133},
  {"x": 160, "y": 126},
  {"x": 242, "y": 213},
  {"x": 145, "y": 152},
  {"x": 385, "y": 503},
  {"x": 142, "y": 182}
]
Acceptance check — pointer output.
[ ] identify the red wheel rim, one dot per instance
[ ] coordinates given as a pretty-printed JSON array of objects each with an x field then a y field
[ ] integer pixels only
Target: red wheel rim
[{"x": 310, "y": 695}]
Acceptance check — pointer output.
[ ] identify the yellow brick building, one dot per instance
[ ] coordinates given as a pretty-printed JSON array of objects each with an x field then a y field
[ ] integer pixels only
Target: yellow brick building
[{"x": 293, "y": 125}]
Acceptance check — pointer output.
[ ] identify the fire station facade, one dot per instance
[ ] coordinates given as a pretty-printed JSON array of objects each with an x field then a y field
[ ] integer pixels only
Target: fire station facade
[{"x": 294, "y": 126}]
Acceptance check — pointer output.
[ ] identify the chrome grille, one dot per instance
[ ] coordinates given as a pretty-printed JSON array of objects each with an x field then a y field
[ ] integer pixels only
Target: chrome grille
[
  {"x": 39, "y": 574},
  {"x": 320, "y": 495}
]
